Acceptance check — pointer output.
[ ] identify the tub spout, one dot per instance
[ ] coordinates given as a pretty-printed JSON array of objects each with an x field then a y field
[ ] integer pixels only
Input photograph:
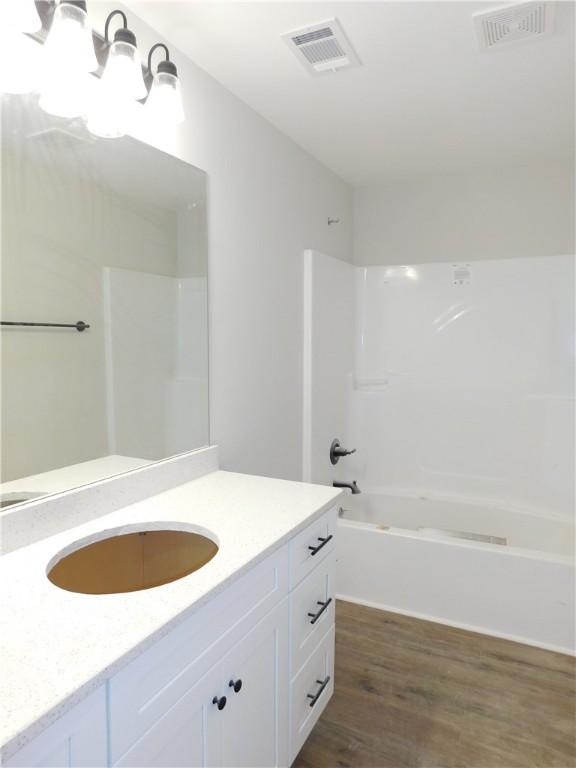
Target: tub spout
[{"x": 352, "y": 486}]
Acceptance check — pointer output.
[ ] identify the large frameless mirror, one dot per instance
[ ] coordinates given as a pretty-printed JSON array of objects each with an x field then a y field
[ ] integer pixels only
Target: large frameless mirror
[{"x": 104, "y": 357}]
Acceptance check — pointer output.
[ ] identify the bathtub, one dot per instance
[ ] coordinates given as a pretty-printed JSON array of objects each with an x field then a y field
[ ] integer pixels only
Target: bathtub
[{"x": 482, "y": 567}]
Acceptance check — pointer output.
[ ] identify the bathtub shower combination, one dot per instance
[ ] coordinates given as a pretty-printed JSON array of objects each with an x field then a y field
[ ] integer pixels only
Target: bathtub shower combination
[{"x": 455, "y": 385}]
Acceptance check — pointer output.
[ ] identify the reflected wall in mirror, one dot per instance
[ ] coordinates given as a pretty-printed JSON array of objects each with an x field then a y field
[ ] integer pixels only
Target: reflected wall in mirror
[{"x": 111, "y": 233}]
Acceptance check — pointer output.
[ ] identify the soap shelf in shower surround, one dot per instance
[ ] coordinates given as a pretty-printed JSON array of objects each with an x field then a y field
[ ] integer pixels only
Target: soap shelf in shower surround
[{"x": 371, "y": 385}]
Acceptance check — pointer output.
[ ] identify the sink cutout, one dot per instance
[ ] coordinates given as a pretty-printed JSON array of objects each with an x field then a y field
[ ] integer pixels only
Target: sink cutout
[{"x": 130, "y": 562}]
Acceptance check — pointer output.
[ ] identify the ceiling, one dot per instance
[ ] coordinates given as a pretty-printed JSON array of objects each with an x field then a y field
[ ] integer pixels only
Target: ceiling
[{"x": 425, "y": 100}]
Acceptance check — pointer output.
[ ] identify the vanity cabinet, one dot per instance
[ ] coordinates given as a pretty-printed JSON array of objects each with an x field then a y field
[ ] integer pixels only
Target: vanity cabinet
[
  {"x": 239, "y": 684},
  {"x": 231, "y": 717},
  {"x": 78, "y": 738}
]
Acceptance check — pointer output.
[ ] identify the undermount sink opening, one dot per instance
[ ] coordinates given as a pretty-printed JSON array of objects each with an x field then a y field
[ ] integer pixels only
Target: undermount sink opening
[{"x": 131, "y": 560}]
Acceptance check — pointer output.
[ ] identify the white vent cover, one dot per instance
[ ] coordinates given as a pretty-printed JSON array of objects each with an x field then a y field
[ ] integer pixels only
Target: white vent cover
[
  {"x": 322, "y": 47},
  {"x": 522, "y": 21}
]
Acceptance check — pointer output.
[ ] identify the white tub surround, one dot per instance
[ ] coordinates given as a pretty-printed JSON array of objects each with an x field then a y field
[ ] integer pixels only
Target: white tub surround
[
  {"x": 455, "y": 383},
  {"x": 58, "y": 647}
]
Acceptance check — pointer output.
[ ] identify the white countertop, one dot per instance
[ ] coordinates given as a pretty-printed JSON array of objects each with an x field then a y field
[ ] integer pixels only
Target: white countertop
[{"x": 57, "y": 646}]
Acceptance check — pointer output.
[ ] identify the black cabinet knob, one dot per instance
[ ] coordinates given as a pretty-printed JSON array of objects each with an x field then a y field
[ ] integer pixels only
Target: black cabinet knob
[
  {"x": 236, "y": 684},
  {"x": 220, "y": 702}
]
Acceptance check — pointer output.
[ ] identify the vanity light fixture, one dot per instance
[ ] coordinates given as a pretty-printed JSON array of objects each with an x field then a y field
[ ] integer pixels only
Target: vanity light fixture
[
  {"x": 123, "y": 71},
  {"x": 21, "y": 16},
  {"x": 19, "y": 60},
  {"x": 121, "y": 86},
  {"x": 164, "y": 104},
  {"x": 70, "y": 52},
  {"x": 69, "y": 45},
  {"x": 68, "y": 57}
]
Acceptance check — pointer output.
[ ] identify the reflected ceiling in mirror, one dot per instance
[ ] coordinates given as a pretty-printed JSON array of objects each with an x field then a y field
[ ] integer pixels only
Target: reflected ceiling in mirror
[{"x": 112, "y": 234}]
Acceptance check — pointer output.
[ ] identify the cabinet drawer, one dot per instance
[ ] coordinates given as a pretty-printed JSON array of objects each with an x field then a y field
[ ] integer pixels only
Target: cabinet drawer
[
  {"x": 142, "y": 692},
  {"x": 311, "y": 690},
  {"x": 312, "y": 545},
  {"x": 312, "y": 608}
]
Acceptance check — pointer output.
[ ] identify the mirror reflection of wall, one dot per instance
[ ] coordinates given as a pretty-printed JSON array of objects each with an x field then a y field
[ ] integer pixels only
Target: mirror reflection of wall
[{"x": 112, "y": 233}]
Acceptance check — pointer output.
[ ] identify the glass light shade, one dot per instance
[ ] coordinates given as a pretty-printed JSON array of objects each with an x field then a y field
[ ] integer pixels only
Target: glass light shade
[
  {"x": 69, "y": 46},
  {"x": 122, "y": 75},
  {"x": 68, "y": 95},
  {"x": 20, "y": 62},
  {"x": 20, "y": 16},
  {"x": 110, "y": 114},
  {"x": 164, "y": 103}
]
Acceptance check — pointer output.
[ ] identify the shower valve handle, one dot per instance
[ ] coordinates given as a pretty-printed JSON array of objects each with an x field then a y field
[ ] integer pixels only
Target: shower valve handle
[{"x": 336, "y": 451}]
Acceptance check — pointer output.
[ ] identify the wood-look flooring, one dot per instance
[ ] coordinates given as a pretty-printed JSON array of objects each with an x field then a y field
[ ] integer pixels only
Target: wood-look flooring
[{"x": 415, "y": 693}]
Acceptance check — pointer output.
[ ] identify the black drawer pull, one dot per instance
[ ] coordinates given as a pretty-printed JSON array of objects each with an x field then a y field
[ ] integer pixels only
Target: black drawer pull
[
  {"x": 324, "y": 541},
  {"x": 315, "y": 616},
  {"x": 220, "y": 702},
  {"x": 236, "y": 684},
  {"x": 316, "y": 696}
]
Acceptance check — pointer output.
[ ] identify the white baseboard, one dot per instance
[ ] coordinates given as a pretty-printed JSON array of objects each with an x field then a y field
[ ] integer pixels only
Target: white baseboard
[{"x": 458, "y": 625}]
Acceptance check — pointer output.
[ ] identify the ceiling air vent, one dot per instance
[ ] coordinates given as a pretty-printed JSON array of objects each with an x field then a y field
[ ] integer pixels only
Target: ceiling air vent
[
  {"x": 522, "y": 21},
  {"x": 322, "y": 47}
]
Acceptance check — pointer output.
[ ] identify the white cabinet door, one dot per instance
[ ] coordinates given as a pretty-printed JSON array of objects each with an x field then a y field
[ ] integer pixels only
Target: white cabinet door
[
  {"x": 218, "y": 725},
  {"x": 75, "y": 740},
  {"x": 188, "y": 735},
  {"x": 255, "y": 725}
]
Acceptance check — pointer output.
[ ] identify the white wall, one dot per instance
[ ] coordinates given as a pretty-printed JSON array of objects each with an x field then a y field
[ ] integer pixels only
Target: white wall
[
  {"x": 329, "y": 334},
  {"x": 267, "y": 202},
  {"x": 499, "y": 214}
]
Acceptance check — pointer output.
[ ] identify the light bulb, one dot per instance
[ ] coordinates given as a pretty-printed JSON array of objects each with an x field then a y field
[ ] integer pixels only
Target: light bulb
[
  {"x": 108, "y": 115},
  {"x": 20, "y": 16},
  {"x": 69, "y": 45},
  {"x": 112, "y": 111},
  {"x": 66, "y": 96},
  {"x": 67, "y": 58},
  {"x": 164, "y": 104},
  {"x": 20, "y": 59},
  {"x": 123, "y": 71}
]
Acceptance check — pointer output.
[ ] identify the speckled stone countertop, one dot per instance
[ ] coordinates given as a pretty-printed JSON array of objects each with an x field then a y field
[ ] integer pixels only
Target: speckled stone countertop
[{"x": 58, "y": 646}]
